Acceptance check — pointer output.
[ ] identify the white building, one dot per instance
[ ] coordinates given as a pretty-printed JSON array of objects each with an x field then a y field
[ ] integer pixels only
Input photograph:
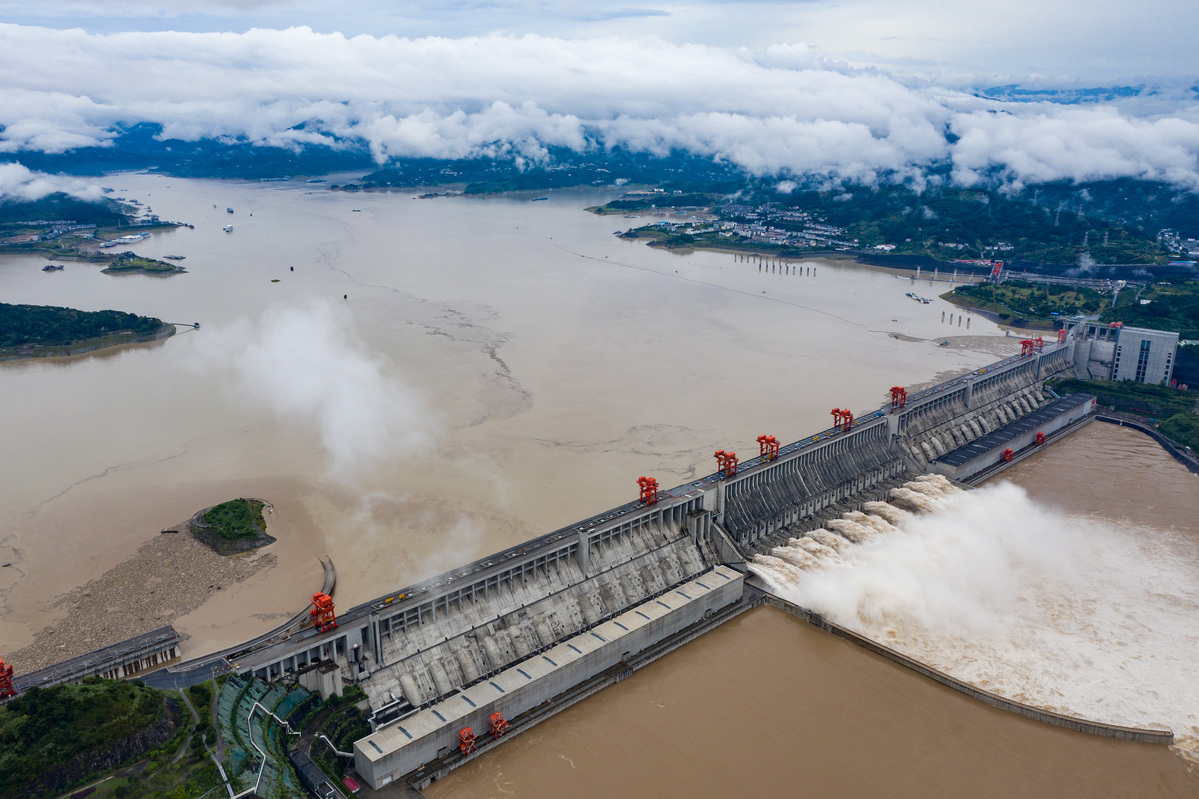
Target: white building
[{"x": 1114, "y": 352}]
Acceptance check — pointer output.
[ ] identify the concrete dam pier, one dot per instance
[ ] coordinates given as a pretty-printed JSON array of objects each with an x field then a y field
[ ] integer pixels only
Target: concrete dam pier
[{"x": 452, "y": 664}]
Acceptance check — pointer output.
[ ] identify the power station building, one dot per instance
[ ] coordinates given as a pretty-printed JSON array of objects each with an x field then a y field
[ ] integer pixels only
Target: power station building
[{"x": 1113, "y": 352}]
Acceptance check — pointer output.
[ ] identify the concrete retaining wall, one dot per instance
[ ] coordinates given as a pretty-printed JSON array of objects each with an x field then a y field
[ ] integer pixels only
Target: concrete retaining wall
[
  {"x": 1177, "y": 451},
  {"x": 994, "y": 700}
]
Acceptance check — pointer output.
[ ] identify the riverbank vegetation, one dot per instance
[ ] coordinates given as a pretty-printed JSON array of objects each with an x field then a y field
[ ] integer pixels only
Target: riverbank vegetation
[
  {"x": 119, "y": 738},
  {"x": 38, "y": 330},
  {"x": 15, "y": 215},
  {"x": 343, "y": 723},
  {"x": 1033, "y": 302},
  {"x": 1172, "y": 306},
  {"x": 1173, "y": 410},
  {"x": 1183, "y": 428},
  {"x": 941, "y": 224}
]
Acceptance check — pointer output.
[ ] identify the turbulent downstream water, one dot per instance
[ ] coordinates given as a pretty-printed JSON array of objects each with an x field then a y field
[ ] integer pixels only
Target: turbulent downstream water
[{"x": 1075, "y": 614}]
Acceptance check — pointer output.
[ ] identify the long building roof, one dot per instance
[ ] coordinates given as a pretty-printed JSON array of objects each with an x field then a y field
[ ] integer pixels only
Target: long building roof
[{"x": 1002, "y": 435}]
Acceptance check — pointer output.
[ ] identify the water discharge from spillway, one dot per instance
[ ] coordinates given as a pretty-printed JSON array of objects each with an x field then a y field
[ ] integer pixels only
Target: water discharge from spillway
[{"x": 1070, "y": 613}]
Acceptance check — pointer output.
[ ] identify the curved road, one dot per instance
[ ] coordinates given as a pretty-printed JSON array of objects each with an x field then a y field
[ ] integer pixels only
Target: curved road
[{"x": 206, "y": 667}]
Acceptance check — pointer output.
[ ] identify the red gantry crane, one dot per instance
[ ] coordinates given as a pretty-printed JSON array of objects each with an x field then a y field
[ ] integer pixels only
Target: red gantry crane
[
  {"x": 726, "y": 463},
  {"x": 649, "y": 490},
  {"x": 768, "y": 447},
  {"x": 323, "y": 618},
  {"x": 466, "y": 740},
  {"x": 899, "y": 396},
  {"x": 843, "y": 418},
  {"x": 498, "y": 725},
  {"x": 6, "y": 687}
]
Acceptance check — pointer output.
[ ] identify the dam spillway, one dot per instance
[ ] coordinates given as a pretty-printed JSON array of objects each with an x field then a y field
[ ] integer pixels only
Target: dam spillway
[{"x": 426, "y": 652}]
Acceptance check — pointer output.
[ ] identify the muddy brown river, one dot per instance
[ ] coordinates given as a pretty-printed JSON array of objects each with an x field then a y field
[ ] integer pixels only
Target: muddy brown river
[{"x": 416, "y": 383}]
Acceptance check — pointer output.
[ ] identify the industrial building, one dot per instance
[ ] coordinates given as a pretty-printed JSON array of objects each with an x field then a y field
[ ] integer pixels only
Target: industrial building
[{"x": 1111, "y": 351}]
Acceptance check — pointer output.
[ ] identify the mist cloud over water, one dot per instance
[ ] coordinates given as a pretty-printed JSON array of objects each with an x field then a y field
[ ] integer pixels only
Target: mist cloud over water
[
  {"x": 24, "y": 185},
  {"x": 1075, "y": 614},
  {"x": 308, "y": 366}
]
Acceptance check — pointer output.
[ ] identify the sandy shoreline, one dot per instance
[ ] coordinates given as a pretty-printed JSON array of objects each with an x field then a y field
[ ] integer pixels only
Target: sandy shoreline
[{"x": 170, "y": 576}]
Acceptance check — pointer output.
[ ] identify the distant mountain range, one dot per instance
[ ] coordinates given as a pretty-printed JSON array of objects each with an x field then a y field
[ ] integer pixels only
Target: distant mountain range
[{"x": 1143, "y": 206}]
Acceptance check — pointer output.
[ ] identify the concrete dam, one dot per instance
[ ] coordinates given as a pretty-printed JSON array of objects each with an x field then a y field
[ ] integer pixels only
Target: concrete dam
[{"x": 452, "y": 664}]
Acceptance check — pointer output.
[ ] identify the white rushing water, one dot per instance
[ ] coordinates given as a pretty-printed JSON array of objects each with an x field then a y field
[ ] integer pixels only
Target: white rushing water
[{"x": 1069, "y": 613}]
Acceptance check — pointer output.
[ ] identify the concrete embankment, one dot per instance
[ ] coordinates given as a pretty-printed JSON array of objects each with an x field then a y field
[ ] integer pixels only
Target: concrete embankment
[{"x": 994, "y": 700}]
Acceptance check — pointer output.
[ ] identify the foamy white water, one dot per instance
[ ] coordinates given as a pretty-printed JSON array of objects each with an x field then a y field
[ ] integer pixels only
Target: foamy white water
[{"x": 1069, "y": 613}]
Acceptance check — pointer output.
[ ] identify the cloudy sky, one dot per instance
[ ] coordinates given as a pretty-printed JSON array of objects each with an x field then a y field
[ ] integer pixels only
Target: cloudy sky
[{"x": 858, "y": 89}]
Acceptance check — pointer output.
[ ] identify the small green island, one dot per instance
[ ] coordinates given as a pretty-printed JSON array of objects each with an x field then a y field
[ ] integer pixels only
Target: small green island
[
  {"x": 232, "y": 527},
  {"x": 130, "y": 263},
  {"x": 39, "y": 331}
]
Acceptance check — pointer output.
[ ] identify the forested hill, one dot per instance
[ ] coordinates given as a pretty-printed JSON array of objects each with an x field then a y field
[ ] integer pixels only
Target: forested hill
[
  {"x": 51, "y": 738},
  {"x": 62, "y": 207},
  {"x": 44, "y": 325}
]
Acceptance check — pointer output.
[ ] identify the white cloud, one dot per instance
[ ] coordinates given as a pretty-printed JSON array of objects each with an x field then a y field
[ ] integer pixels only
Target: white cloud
[
  {"x": 781, "y": 110},
  {"x": 19, "y": 183},
  {"x": 1076, "y": 143},
  {"x": 966, "y": 40}
]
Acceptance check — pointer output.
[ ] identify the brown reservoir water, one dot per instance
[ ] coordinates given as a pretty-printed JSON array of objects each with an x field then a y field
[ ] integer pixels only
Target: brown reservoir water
[{"x": 435, "y": 380}]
